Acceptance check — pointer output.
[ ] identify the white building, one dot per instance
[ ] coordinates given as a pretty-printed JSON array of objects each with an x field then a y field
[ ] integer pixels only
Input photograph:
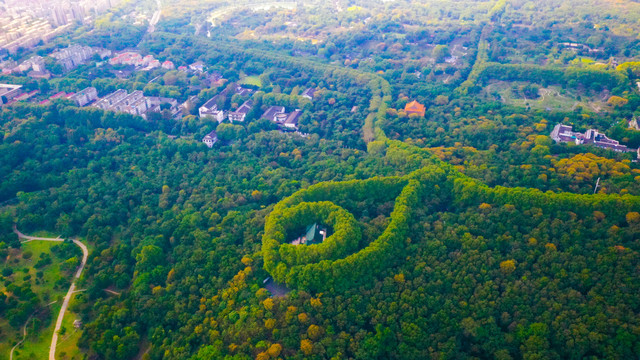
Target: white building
[
  {"x": 241, "y": 114},
  {"x": 85, "y": 96},
  {"x": 210, "y": 139},
  {"x": 210, "y": 108}
]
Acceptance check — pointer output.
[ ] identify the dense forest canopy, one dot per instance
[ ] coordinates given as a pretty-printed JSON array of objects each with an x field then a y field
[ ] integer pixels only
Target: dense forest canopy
[{"x": 460, "y": 231}]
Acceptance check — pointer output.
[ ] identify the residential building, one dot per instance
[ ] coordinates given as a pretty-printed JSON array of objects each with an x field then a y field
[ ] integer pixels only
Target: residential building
[
  {"x": 8, "y": 92},
  {"x": 292, "y": 120},
  {"x": 415, "y": 107},
  {"x": 75, "y": 55},
  {"x": 39, "y": 74},
  {"x": 197, "y": 66},
  {"x": 565, "y": 133},
  {"x": 272, "y": 112},
  {"x": 210, "y": 139},
  {"x": 156, "y": 104},
  {"x": 108, "y": 101},
  {"x": 309, "y": 93},
  {"x": 241, "y": 113},
  {"x": 37, "y": 64},
  {"x": 281, "y": 118},
  {"x": 134, "y": 104},
  {"x": 127, "y": 58},
  {"x": 85, "y": 96},
  {"x": 243, "y": 91},
  {"x": 58, "y": 17},
  {"x": 59, "y": 95},
  {"x": 210, "y": 108},
  {"x": 168, "y": 65}
]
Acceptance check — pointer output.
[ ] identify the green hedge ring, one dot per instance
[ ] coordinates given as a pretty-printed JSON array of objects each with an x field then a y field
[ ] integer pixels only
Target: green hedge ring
[{"x": 343, "y": 239}]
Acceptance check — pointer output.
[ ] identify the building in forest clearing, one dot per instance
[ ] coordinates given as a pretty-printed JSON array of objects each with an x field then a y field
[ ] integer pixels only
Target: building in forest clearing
[
  {"x": 415, "y": 107},
  {"x": 210, "y": 139},
  {"x": 309, "y": 93},
  {"x": 314, "y": 234}
]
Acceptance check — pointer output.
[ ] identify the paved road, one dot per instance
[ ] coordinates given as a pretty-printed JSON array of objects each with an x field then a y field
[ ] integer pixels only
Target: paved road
[{"x": 72, "y": 288}]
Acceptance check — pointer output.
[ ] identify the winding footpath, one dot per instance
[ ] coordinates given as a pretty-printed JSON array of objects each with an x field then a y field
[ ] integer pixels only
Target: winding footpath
[
  {"x": 24, "y": 337},
  {"x": 72, "y": 288}
]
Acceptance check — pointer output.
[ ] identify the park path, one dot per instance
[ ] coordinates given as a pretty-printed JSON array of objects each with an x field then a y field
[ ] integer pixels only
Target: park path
[
  {"x": 72, "y": 288},
  {"x": 24, "y": 337},
  {"x": 155, "y": 18}
]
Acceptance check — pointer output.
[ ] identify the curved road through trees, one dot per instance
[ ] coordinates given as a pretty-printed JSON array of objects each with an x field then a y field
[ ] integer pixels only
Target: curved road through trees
[{"x": 67, "y": 298}]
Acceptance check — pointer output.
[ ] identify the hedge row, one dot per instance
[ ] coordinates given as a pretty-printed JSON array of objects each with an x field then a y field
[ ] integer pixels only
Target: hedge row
[{"x": 344, "y": 238}]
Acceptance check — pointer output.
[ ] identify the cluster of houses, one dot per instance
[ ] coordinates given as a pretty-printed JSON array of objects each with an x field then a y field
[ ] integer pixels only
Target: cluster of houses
[
  {"x": 287, "y": 121},
  {"x": 34, "y": 67},
  {"x": 580, "y": 47},
  {"x": 134, "y": 103},
  {"x": 212, "y": 109},
  {"x": 75, "y": 55},
  {"x": 565, "y": 133},
  {"x": 69, "y": 58},
  {"x": 142, "y": 63},
  {"x": 277, "y": 114}
]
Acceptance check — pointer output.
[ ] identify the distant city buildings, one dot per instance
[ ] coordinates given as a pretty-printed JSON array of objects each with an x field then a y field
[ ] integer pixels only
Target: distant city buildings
[
  {"x": 75, "y": 55},
  {"x": 146, "y": 63},
  {"x": 565, "y": 133},
  {"x": 25, "y": 23}
]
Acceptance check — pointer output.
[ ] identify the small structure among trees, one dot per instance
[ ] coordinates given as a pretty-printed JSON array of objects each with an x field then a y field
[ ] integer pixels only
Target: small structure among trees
[
  {"x": 415, "y": 107},
  {"x": 314, "y": 234}
]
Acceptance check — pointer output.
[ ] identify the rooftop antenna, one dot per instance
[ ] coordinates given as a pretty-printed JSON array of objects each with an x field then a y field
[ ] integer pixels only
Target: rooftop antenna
[{"x": 597, "y": 185}]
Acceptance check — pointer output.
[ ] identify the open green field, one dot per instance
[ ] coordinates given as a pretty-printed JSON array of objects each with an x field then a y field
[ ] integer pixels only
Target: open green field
[
  {"x": 43, "y": 287},
  {"x": 251, "y": 80},
  {"x": 68, "y": 343},
  {"x": 38, "y": 340},
  {"x": 550, "y": 98}
]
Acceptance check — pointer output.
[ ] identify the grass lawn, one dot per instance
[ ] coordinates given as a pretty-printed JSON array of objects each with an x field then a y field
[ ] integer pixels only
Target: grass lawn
[
  {"x": 37, "y": 344},
  {"x": 251, "y": 80},
  {"x": 550, "y": 98}
]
